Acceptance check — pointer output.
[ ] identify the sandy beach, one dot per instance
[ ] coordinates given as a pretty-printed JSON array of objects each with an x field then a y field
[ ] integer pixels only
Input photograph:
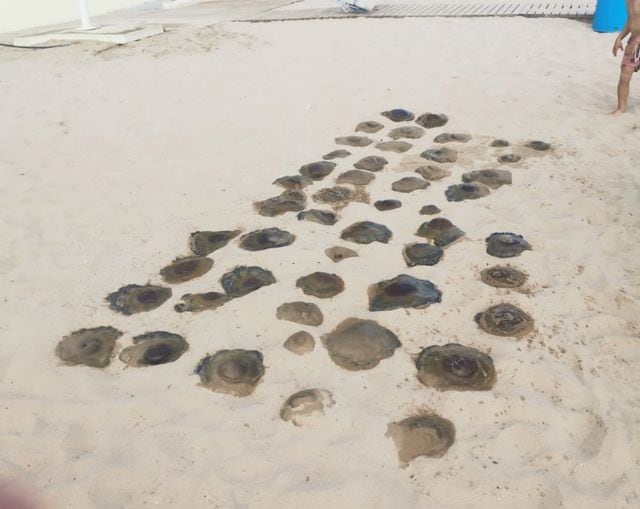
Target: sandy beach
[{"x": 111, "y": 157}]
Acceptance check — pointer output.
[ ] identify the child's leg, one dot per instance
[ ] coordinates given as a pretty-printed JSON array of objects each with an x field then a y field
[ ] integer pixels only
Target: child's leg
[{"x": 626, "y": 73}]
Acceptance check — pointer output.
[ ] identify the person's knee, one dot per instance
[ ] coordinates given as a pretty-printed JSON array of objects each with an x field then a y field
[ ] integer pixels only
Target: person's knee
[{"x": 626, "y": 73}]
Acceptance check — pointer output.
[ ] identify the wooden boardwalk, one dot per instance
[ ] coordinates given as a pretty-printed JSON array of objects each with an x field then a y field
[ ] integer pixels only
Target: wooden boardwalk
[{"x": 567, "y": 9}]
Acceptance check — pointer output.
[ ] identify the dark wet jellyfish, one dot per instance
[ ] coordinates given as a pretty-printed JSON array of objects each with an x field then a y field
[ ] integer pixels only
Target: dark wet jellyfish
[
  {"x": 432, "y": 120},
  {"x": 452, "y": 137},
  {"x": 506, "y": 244},
  {"x": 338, "y": 253},
  {"x": 269, "y": 238},
  {"x": 384, "y": 205},
  {"x": 440, "y": 155},
  {"x": 204, "y": 243},
  {"x": 409, "y": 132},
  {"x": 509, "y": 158},
  {"x": 369, "y": 126},
  {"x": 426, "y": 435},
  {"x": 304, "y": 313},
  {"x": 357, "y": 344},
  {"x": 366, "y": 232},
  {"x": 293, "y": 182},
  {"x": 317, "y": 170},
  {"x": 235, "y": 372},
  {"x": 403, "y": 292},
  {"x": 91, "y": 347},
  {"x": 394, "y": 146},
  {"x": 503, "y": 277},
  {"x": 432, "y": 172},
  {"x": 132, "y": 299},
  {"x": 505, "y": 320},
  {"x": 490, "y": 178},
  {"x": 321, "y": 284},
  {"x": 422, "y": 254},
  {"x": 325, "y": 217},
  {"x": 244, "y": 280},
  {"x": 196, "y": 302},
  {"x": 305, "y": 404},
  {"x": 354, "y": 141},
  {"x": 429, "y": 210},
  {"x": 337, "y": 154},
  {"x": 355, "y": 177},
  {"x": 455, "y": 367},
  {"x": 409, "y": 184},
  {"x": 300, "y": 343},
  {"x": 538, "y": 145},
  {"x": 398, "y": 115},
  {"x": 185, "y": 269},
  {"x": 287, "y": 201},
  {"x": 371, "y": 163},
  {"x": 499, "y": 143},
  {"x": 154, "y": 348},
  {"x": 466, "y": 191},
  {"x": 442, "y": 231}
]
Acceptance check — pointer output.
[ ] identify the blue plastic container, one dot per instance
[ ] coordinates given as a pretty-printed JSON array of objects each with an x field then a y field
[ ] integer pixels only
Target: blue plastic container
[{"x": 610, "y": 16}]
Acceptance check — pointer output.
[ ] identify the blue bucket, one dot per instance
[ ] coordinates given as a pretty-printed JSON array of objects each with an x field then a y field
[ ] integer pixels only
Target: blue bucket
[{"x": 610, "y": 16}]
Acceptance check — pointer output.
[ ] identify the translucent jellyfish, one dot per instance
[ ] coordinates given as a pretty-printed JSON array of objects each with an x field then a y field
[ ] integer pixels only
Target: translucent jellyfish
[
  {"x": 132, "y": 299},
  {"x": 431, "y": 120},
  {"x": 204, "y": 243},
  {"x": 366, "y": 232},
  {"x": 383, "y": 205},
  {"x": 235, "y": 372},
  {"x": 304, "y": 404},
  {"x": 337, "y": 154},
  {"x": 269, "y": 238},
  {"x": 440, "y": 155},
  {"x": 499, "y": 143},
  {"x": 244, "y": 280},
  {"x": 371, "y": 163},
  {"x": 490, "y": 178},
  {"x": 466, "y": 191},
  {"x": 355, "y": 177},
  {"x": 509, "y": 158},
  {"x": 338, "y": 253},
  {"x": 325, "y": 217},
  {"x": 500, "y": 276},
  {"x": 538, "y": 145},
  {"x": 442, "y": 231},
  {"x": 357, "y": 344},
  {"x": 398, "y": 115},
  {"x": 394, "y": 146},
  {"x": 403, "y": 292},
  {"x": 91, "y": 347},
  {"x": 409, "y": 184},
  {"x": 410, "y": 132},
  {"x": 505, "y": 320},
  {"x": 288, "y": 201},
  {"x": 421, "y": 435},
  {"x": 304, "y": 313},
  {"x": 452, "y": 137},
  {"x": 317, "y": 170},
  {"x": 154, "y": 348},
  {"x": 422, "y": 254},
  {"x": 354, "y": 141},
  {"x": 321, "y": 284},
  {"x": 429, "y": 210},
  {"x": 369, "y": 126},
  {"x": 300, "y": 343},
  {"x": 455, "y": 367},
  {"x": 185, "y": 269},
  {"x": 506, "y": 244},
  {"x": 196, "y": 302},
  {"x": 432, "y": 172},
  {"x": 293, "y": 182}
]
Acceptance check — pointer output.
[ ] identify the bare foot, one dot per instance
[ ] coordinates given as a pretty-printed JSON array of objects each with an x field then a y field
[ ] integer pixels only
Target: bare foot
[{"x": 617, "y": 113}]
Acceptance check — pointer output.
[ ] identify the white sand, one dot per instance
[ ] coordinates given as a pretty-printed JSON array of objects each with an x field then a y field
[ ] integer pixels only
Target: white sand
[{"x": 110, "y": 160}]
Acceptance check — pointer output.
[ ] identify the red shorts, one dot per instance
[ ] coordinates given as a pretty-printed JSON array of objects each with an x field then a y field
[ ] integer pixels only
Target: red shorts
[{"x": 631, "y": 58}]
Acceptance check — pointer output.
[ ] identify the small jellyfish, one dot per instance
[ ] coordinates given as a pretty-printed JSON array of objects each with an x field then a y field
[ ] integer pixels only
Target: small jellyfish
[
  {"x": 500, "y": 276},
  {"x": 421, "y": 435},
  {"x": 154, "y": 348},
  {"x": 440, "y": 155},
  {"x": 394, "y": 146},
  {"x": 321, "y": 284},
  {"x": 132, "y": 299},
  {"x": 422, "y": 254},
  {"x": 432, "y": 172},
  {"x": 398, "y": 115},
  {"x": 431, "y": 120},
  {"x": 369, "y": 126},
  {"x": 300, "y": 343},
  {"x": 304, "y": 404},
  {"x": 204, "y": 243},
  {"x": 466, "y": 191},
  {"x": 196, "y": 302},
  {"x": 505, "y": 320},
  {"x": 293, "y": 182},
  {"x": 366, "y": 232},
  {"x": 235, "y": 372},
  {"x": 490, "y": 178},
  {"x": 455, "y": 367},
  {"x": 452, "y": 137},
  {"x": 409, "y": 184},
  {"x": 509, "y": 158},
  {"x": 357, "y": 344},
  {"x": 304, "y": 313},
  {"x": 354, "y": 141},
  {"x": 325, "y": 217},
  {"x": 338, "y": 253},
  {"x": 186, "y": 269},
  {"x": 336, "y": 154},
  {"x": 429, "y": 210},
  {"x": 371, "y": 163},
  {"x": 403, "y": 292},
  {"x": 355, "y": 177},
  {"x": 410, "y": 132},
  {"x": 538, "y": 145},
  {"x": 317, "y": 170},
  {"x": 244, "y": 280},
  {"x": 506, "y": 244},
  {"x": 384, "y": 205},
  {"x": 499, "y": 143},
  {"x": 339, "y": 197},
  {"x": 91, "y": 347},
  {"x": 442, "y": 231},
  {"x": 269, "y": 238}
]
